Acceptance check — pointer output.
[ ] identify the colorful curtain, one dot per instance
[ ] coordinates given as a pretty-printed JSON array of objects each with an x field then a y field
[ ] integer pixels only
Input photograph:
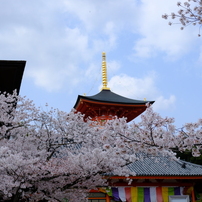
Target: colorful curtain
[{"x": 142, "y": 194}]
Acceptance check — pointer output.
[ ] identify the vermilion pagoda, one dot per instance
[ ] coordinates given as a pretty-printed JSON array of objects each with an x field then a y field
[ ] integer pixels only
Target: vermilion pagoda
[{"x": 105, "y": 105}]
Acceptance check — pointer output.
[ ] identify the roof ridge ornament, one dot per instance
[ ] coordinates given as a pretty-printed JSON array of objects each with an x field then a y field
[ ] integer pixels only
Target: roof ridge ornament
[{"x": 104, "y": 72}]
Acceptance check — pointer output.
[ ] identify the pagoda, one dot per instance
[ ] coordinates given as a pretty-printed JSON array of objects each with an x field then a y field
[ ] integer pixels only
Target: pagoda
[{"x": 107, "y": 105}]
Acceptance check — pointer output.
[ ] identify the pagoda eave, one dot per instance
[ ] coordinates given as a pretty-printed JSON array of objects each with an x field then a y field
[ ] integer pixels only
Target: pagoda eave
[{"x": 101, "y": 110}]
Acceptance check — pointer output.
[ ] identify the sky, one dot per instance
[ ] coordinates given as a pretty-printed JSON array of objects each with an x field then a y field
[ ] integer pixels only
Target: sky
[{"x": 62, "y": 42}]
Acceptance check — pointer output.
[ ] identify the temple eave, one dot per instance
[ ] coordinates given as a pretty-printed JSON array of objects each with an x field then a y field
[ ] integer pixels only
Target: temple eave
[
  {"x": 99, "y": 104},
  {"x": 107, "y": 110}
]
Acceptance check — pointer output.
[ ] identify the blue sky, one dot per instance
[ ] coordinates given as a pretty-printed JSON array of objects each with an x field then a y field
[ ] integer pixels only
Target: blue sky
[{"x": 62, "y": 42}]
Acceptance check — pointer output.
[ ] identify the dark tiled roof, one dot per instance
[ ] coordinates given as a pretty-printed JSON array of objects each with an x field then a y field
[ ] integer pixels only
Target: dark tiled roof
[
  {"x": 163, "y": 166},
  {"x": 11, "y": 73},
  {"x": 107, "y": 96}
]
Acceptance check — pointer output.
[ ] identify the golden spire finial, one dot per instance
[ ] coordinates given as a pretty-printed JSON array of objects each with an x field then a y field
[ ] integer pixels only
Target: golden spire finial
[{"x": 104, "y": 72}]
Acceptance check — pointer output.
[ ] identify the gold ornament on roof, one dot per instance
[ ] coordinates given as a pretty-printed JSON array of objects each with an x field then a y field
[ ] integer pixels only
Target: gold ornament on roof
[{"x": 104, "y": 72}]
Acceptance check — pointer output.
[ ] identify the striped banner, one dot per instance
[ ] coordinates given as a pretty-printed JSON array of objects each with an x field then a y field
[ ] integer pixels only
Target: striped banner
[{"x": 142, "y": 194}]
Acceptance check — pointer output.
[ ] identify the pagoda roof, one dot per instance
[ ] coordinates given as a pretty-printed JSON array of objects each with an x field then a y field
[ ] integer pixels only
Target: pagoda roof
[
  {"x": 107, "y": 96},
  {"x": 11, "y": 72}
]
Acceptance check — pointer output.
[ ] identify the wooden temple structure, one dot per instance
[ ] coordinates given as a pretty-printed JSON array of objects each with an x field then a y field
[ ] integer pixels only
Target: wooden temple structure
[{"x": 157, "y": 179}]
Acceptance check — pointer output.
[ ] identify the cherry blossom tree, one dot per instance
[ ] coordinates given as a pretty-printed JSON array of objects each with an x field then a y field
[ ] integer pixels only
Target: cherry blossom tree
[
  {"x": 53, "y": 155},
  {"x": 190, "y": 13}
]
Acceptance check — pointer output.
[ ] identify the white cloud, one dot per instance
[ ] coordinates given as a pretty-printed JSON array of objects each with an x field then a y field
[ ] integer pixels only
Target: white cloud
[
  {"x": 157, "y": 35},
  {"x": 113, "y": 66},
  {"x": 162, "y": 103},
  {"x": 137, "y": 88},
  {"x": 103, "y": 20},
  {"x": 53, "y": 51},
  {"x": 200, "y": 55},
  {"x": 56, "y": 63},
  {"x": 140, "y": 88},
  {"x": 52, "y": 79},
  {"x": 60, "y": 39},
  {"x": 96, "y": 15}
]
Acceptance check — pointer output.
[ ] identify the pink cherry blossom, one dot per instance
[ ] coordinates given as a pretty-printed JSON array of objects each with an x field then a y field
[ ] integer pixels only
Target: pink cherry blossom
[{"x": 54, "y": 155}]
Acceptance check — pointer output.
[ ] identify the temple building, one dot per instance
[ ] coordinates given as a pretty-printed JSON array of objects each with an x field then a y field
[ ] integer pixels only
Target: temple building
[{"x": 157, "y": 179}]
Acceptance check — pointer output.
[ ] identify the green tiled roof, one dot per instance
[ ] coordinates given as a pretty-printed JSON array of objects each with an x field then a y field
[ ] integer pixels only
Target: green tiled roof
[{"x": 164, "y": 166}]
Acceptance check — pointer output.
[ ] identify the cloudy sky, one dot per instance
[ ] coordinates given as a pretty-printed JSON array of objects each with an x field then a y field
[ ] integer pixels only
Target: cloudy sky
[{"x": 62, "y": 42}]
